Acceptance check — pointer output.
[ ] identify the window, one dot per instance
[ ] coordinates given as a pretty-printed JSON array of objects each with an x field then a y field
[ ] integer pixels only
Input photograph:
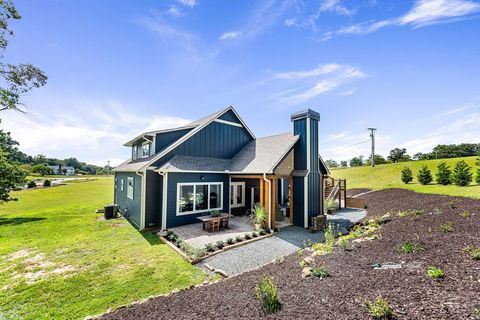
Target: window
[
  {"x": 130, "y": 188},
  {"x": 121, "y": 184},
  {"x": 237, "y": 194},
  {"x": 199, "y": 197},
  {"x": 134, "y": 152},
  {"x": 146, "y": 149}
]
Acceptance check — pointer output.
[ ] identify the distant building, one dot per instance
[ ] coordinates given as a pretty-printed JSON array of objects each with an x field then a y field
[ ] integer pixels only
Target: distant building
[{"x": 62, "y": 169}]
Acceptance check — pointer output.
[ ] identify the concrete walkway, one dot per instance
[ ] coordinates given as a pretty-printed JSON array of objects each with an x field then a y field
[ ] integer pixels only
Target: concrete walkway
[{"x": 285, "y": 242}]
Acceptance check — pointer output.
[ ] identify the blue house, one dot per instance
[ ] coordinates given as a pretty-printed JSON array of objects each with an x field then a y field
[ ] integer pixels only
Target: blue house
[{"x": 217, "y": 163}]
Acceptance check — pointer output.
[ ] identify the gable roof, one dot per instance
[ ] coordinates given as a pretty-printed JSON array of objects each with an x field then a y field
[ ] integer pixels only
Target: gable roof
[{"x": 259, "y": 156}]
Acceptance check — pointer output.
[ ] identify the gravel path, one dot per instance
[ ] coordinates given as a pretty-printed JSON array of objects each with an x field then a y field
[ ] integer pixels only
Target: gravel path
[{"x": 290, "y": 239}]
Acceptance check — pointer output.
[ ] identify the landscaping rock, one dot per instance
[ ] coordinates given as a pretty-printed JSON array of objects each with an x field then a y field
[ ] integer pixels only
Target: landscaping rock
[{"x": 306, "y": 272}]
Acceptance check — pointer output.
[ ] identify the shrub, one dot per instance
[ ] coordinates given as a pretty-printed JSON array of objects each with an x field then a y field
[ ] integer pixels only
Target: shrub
[
  {"x": 248, "y": 236},
  {"x": 380, "y": 309},
  {"x": 444, "y": 174},
  {"x": 268, "y": 230},
  {"x": 435, "y": 273},
  {"x": 452, "y": 204},
  {"x": 262, "y": 232},
  {"x": 331, "y": 205},
  {"x": 238, "y": 239},
  {"x": 209, "y": 247},
  {"x": 220, "y": 244},
  {"x": 461, "y": 174},
  {"x": 254, "y": 235},
  {"x": 230, "y": 241},
  {"x": 408, "y": 247},
  {"x": 343, "y": 243},
  {"x": 259, "y": 215},
  {"x": 320, "y": 272},
  {"x": 267, "y": 294},
  {"x": 330, "y": 234},
  {"x": 473, "y": 251},
  {"x": 407, "y": 175},
  {"x": 216, "y": 213},
  {"x": 465, "y": 214},
  {"x": 31, "y": 184},
  {"x": 47, "y": 183},
  {"x": 424, "y": 176},
  {"x": 447, "y": 227},
  {"x": 477, "y": 178}
]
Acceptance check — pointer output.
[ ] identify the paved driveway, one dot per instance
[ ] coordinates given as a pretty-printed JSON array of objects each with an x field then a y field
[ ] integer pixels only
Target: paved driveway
[{"x": 285, "y": 242}]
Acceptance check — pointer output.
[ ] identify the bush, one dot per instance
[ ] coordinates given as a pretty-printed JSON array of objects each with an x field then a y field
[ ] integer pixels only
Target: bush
[
  {"x": 254, "y": 235},
  {"x": 452, "y": 204},
  {"x": 267, "y": 294},
  {"x": 220, "y": 244},
  {"x": 31, "y": 184},
  {"x": 435, "y": 273},
  {"x": 447, "y": 227},
  {"x": 424, "y": 175},
  {"x": 444, "y": 174},
  {"x": 461, "y": 174},
  {"x": 47, "y": 183},
  {"x": 230, "y": 241},
  {"x": 262, "y": 232},
  {"x": 408, "y": 247},
  {"x": 248, "y": 236},
  {"x": 477, "y": 178},
  {"x": 407, "y": 175},
  {"x": 473, "y": 251},
  {"x": 320, "y": 272},
  {"x": 238, "y": 239},
  {"x": 380, "y": 309},
  {"x": 209, "y": 247}
]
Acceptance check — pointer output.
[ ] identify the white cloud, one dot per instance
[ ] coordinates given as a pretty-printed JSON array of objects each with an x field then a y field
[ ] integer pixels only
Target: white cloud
[
  {"x": 188, "y": 3},
  {"x": 230, "y": 35},
  {"x": 95, "y": 135},
  {"x": 423, "y": 13},
  {"x": 336, "y": 7},
  {"x": 348, "y": 92},
  {"x": 327, "y": 77},
  {"x": 174, "y": 11}
]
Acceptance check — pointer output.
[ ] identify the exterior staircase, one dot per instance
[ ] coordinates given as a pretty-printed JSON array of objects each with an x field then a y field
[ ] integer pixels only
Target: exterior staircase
[{"x": 334, "y": 189}]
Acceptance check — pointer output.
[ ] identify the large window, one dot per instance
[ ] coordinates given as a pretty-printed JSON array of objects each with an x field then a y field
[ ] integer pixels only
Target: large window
[
  {"x": 146, "y": 146},
  {"x": 237, "y": 194},
  {"x": 130, "y": 187},
  {"x": 199, "y": 197}
]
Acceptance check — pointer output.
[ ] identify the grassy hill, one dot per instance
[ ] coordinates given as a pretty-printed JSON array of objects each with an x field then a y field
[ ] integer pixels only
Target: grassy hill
[{"x": 388, "y": 176}]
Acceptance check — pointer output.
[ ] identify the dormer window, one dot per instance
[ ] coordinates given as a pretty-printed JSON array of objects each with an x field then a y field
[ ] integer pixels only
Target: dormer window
[
  {"x": 134, "y": 152},
  {"x": 146, "y": 146}
]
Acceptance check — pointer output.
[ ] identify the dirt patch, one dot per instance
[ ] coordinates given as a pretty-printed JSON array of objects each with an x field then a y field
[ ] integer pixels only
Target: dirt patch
[{"x": 353, "y": 279}]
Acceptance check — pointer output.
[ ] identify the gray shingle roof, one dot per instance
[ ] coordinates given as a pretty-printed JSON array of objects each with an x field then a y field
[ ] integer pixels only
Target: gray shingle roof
[
  {"x": 259, "y": 156},
  {"x": 130, "y": 165}
]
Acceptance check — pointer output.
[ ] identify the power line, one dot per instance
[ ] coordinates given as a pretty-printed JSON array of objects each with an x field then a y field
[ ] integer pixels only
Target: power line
[{"x": 355, "y": 144}]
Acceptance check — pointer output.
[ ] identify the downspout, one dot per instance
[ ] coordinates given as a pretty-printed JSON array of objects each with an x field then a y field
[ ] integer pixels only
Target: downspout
[
  {"x": 144, "y": 196},
  {"x": 269, "y": 197},
  {"x": 164, "y": 174}
]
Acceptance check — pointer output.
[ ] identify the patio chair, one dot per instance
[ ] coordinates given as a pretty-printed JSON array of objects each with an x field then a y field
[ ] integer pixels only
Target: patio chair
[{"x": 215, "y": 225}]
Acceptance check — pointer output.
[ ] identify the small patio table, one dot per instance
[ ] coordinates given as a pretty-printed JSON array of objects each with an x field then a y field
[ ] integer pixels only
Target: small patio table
[{"x": 208, "y": 218}]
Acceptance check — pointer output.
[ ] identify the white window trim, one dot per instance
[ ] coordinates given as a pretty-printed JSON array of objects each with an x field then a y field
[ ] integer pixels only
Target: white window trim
[
  {"x": 133, "y": 187},
  {"x": 149, "y": 149},
  {"x": 134, "y": 152},
  {"x": 194, "y": 184},
  {"x": 234, "y": 195},
  {"x": 122, "y": 185},
  {"x": 116, "y": 182}
]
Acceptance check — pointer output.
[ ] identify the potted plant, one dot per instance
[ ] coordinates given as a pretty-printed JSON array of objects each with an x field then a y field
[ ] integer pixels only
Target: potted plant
[
  {"x": 330, "y": 206},
  {"x": 215, "y": 213},
  {"x": 259, "y": 217}
]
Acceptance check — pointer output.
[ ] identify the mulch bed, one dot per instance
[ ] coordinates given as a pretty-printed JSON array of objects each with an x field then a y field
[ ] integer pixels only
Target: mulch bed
[
  {"x": 411, "y": 293},
  {"x": 356, "y": 191}
]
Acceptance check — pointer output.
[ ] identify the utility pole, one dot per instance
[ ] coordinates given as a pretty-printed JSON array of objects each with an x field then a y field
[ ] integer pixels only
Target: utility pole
[
  {"x": 372, "y": 135},
  {"x": 108, "y": 167}
]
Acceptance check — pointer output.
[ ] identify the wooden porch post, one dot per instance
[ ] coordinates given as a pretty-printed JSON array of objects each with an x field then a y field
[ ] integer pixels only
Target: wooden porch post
[{"x": 262, "y": 203}]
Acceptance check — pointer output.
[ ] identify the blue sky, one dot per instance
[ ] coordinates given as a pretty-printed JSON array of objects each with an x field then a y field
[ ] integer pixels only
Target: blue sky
[{"x": 409, "y": 68}]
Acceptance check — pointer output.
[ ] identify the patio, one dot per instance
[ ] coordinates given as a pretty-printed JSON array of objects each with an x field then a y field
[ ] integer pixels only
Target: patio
[{"x": 194, "y": 235}]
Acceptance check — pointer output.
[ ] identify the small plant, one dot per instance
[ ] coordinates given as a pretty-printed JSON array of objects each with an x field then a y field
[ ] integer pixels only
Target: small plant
[
  {"x": 248, "y": 236},
  {"x": 465, "y": 214},
  {"x": 402, "y": 214},
  {"x": 267, "y": 294},
  {"x": 209, "y": 247},
  {"x": 407, "y": 175},
  {"x": 437, "y": 211},
  {"x": 230, "y": 241},
  {"x": 320, "y": 272},
  {"x": 416, "y": 212},
  {"x": 262, "y": 232},
  {"x": 343, "y": 243},
  {"x": 408, "y": 247},
  {"x": 171, "y": 236},
  {"x": 220, "y": 244},
  {"x": 379, "y": 309},
  {"x": 268, "y": 230},
  {"x": 259, "y": 216},
  {"x": 216, "y": 213},
  {"x": 47, "y": 183},
  {"x": 444, "y": 174},
  {"x": 31, "y": 184},
  {"x": 461, "y": 175},
  {"x": 447, "y": 227},
  {"x": 254, "y": 234},
  {"x": 452, "y": 204},
  {"x": 330, "y": 206},
  {"x": 424, "y": 176},
  {"x": 473, "y": 251},
  {"x": 435, "y": 273},
  {"x": 238, "y": 239},
  {"x": 330, "y": 234},
  {"x": 306, "y": 243}
]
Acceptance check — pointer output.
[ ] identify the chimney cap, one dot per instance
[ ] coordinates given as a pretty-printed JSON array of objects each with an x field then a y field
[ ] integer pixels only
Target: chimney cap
[{"x": 307, "y": 113}]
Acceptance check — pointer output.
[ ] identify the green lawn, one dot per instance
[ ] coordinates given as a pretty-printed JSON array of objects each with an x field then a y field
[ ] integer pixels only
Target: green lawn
[
  {"x": 58, "y": 261},
  {"x": 388, "y": 176}
]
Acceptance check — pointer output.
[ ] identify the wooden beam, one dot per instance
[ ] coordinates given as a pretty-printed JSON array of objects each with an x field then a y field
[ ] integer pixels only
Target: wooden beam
[
  {"x": 246, "y": 177},
  {"x": 291, "y": 199},
  {"x": 262, "y": 203}
]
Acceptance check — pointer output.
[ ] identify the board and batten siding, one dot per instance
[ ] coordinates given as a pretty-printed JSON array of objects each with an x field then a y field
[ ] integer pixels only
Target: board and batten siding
[
  {"x": 165, "y": 139},
  {"x": 174, "y": 178},
  {"x": 153, "y": 199},
  {"x": 229, "y": 116},
  {"x": 130, "y": 208}
]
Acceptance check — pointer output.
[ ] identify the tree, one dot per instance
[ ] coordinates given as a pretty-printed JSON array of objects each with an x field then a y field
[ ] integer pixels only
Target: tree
[
  {"x": 17, "y": 79},
  {"x": 356, "y": 161},
  {"x": 344, "y": 164},
  {"x": 72, "y": 162},
  {"x": 42, "y": 169},
  {"x": 398, "y": 155},
  {"x": 11, "y": 175},
  {"x": 331, "y": 163},
  {"x": 461, "y": 174},
  {"x": 378, "y": 160},
  {"x": 39, "y": 159},
  {"x": 444, "y": 174},
  {"x": 477, "y": 178},
  {"x": 424, "y": 176},
  {"x": 407, "y": 175}
]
